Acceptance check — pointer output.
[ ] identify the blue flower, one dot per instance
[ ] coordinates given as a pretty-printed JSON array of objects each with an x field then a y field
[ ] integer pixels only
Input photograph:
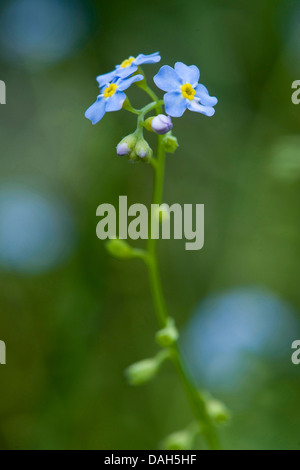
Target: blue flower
[
  {"x": 128, "y": 67},
  {"x": 111, "y": 98},
  {"x": 184, "y": 91}
]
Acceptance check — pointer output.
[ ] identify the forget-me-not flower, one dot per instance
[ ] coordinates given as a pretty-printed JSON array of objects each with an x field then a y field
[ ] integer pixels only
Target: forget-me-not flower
[
  {"x": 128, "y": 67},
  {"x": 184, "y": 91},
  {"x": 111, "y": 98}
]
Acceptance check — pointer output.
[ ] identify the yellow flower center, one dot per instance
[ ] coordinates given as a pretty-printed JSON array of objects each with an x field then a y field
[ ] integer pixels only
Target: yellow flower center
[
  {"x": 110, "y": 90},
  {"x": 188, "y": 91},
  {"x": 127, "y": 62}
]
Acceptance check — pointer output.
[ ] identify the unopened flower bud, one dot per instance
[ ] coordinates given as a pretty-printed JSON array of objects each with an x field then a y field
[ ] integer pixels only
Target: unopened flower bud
[
  {"x": 168, "y": 335},
  {"x": 161, "y": 124},
  {"x": 123, "y": 149},
  {"x": 120, "y": 249},
  {"x": 142, "y": 149},
  {"x": 170, "y": 143},
  {"x": 141, "y": 372},
  {"x": 218, "y": 411},
  {"x": 133, "y": 157},
  {"x": 126, "y": 145},
  {"x": 178, "y": 441},
  {"x": 144, "y": 371},
  {"x": 182, "y": 440}
]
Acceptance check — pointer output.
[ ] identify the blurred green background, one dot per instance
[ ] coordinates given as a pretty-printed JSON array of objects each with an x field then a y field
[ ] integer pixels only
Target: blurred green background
[{"x": 72, "y": 318}]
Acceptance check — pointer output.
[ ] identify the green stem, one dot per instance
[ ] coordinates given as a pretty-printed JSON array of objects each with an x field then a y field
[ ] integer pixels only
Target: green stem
[
  {"x": 153, "y": 270},
  {"x": 196, "y": 400},
  {"x": 156, "y": 289},
  {"x": 144, "y": 86},
  {"x": 151, "y": 93},
  {"x": 128, "y": 107},
  {"x": 146, "y": 109}
]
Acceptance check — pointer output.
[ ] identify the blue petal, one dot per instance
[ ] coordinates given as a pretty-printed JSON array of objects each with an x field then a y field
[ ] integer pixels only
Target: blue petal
[
  {"x": 124, "y": 84},
  {"x": 96, "y": 112},
  {"x": 167, "y": 79},
  {"x": 106, "y": 78},
  {"x": 124, "y": 72},
  {"x": 147, "y": 59},
  {"x": 198, "y": 108},
  {"x": 205, "y": 98},
  {"x": 189, "y": 74},
  {"x": 175, "y": 104},
  {"x": 115, "y": 102}
]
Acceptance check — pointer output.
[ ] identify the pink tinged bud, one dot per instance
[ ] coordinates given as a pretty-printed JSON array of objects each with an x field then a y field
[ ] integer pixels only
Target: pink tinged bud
[
  {"x": 122, "y": 149},
  {"x": 161, "y": 124}
]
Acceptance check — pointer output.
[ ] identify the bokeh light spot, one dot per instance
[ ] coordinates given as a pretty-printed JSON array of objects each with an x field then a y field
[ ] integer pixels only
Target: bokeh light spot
[{"x": 37, "y": 231}]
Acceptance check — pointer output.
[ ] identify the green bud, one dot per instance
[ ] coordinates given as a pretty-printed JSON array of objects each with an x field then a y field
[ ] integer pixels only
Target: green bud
[
  {"x": 179, "y": 441},
  {"x": 218, "y": 411},
  {"x": 143, "y": 150},
  {"x": 144, "y": 371},
  {"x": 120, "y": 249},
  {"x": 182, "y": 440},
  {"x": 168, "y": 335},
  {"x": 147, "y": 124},
  {"x": 127, "y": 145},
  {"x": 170, "y": 143},
  {"x": 141, "y": 372},
  {"x": 135, "y": 148},
  {"x": 133, "y": 157}
]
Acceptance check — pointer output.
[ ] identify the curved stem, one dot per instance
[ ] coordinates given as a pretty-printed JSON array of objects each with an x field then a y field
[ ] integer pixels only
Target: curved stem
[
  {"x": 156, "y": 289},
  {"x": 151, "y": 93},
  {"x": 144, "y": 86},
  {"x": 196, "y": 400},
  {"x": 149, "y": 108}
]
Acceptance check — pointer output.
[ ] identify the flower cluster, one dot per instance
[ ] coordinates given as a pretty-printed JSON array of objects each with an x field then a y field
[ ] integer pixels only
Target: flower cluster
[
  {"x": 135, "y": 147},
  {"x": 113, "y": 84},
  {"x": 183, "y": 91}
]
